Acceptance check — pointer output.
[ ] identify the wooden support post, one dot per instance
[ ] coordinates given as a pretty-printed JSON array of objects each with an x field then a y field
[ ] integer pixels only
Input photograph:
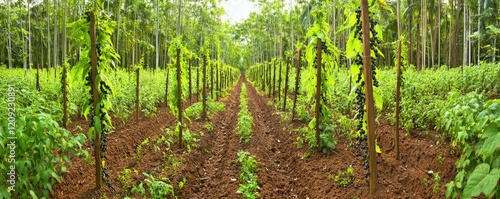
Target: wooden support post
[
  {"x": 279, "y": 83},
  {"x": 274, "y": 79},
  {"x": 189, "y": 77},
  {"x": 217, "y": 81},
  {"x": 203, "y": 89},
  {"x": 398, "y": 83},
  {"x": 65, "y": 97},
  {"x": 269, "y": 79},
  {"x": 286, "y": 83},
  {"x": 179, "y": 95},
  {"x": 166, "y": 86},
  {"x": 37, "y": 78},
  {"x": 318, "y": 89},
  {"x": 297, "y": 80},
  {"x": 95, "y": 95},
  {"x": 137, "y": 101},
  {"x": 370, "y": 107}
]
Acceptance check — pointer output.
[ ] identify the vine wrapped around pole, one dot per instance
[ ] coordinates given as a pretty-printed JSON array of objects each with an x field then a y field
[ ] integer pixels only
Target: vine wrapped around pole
[
  {"x": 95, "y": 97},
  {"x": 370, "y": 107}
]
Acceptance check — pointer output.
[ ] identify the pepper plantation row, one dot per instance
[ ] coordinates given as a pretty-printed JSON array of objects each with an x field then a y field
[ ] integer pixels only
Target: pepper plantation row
[{"x": 310, "y": 84}]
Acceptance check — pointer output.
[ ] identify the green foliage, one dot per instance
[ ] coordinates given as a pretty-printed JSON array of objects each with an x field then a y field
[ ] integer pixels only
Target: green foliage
[
  {"x": 476, "y": 122},
  {"x": 245, "y": 119},
  {"x": 189, "y": 139},
  {"x": 181, "y": 183},
  {"x": 33, "y": 156},
  {"x": 173, "y": 162},
  {"x": 212, "y": 108},
  {"x": 432, "y": 88},
  {"x": 125, "y": 179},
  {"x": 140, "y": 151},
  {"x": 158, "y": 187},
  {"x": 343, "y": 178},
  {"x": 209, "y": 126},
  {"x": 308, "y": 134},
  {"x": 327, "y": 142},
  {"x": 249, "y": 187},
  {"x": 436, "y": 179}
]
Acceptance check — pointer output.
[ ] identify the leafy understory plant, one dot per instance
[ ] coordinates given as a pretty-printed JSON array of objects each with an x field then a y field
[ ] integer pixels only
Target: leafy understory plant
[
  {"x": 249, "y": 187},
  {"x": 209, "y": 126},
  {"x": 212, "y": 108},
  {"x": 245, "y": 119},
  {"x": 40, "y": 137},
  {"x": 172, "y": 162},
  {"x": 188, "y": 138},
  {"x": 125, "y": 179},
  {"x": 343, "y": 178},
  {"x": 307, "y": 134},
  {"x": 475, "y": 120},
  {"x": 158, "y": 187},
  {"x": 140, "y": 150}
]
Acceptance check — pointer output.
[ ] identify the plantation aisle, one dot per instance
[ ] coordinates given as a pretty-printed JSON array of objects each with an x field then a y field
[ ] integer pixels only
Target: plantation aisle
[
  {"x": 211, "y": 168},
  {"x": 274, "y": 149}
]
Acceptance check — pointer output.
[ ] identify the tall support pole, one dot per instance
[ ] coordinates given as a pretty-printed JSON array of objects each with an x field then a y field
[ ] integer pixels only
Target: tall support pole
[
  {"x": 398, "y": 84},
  {"x": 179, "y": 95},
  {"x": 286, "y": 83},
  {"x": 95, "y": 93},
  {"x": 370, "y": 107},
  {"x": 137, "y": 102},
  {"x": 204, "y": 88},
  {"x": 297, "y": 79},
  {"x": 318, "y": 88}
]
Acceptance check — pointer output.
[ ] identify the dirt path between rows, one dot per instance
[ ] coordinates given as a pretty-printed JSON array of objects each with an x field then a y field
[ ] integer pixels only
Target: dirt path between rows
[
  {"x": 273, "y": 148},
  {"x": 214, "y": 171},
  {"x": 211, "y": 169}
]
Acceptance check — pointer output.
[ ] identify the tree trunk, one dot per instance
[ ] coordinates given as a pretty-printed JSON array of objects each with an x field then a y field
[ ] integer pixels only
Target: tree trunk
[
  {"x": 118, "y": 16},
  {"x": 157, "y": 49},
  {"x": 479, "y": 31},
  {"x": 64, "y": 45},
  {"x": 47, "y": 4},
  {"x": 454, "y": 53},
  {"x": 439, "y": 33},
  {"x": 418, "y": 66},
  {"x": 9, "y": 47},
  {"x": 410, "y": 34},
  {"x": 424, "y": 33},
  {"x": 465, "y": 43},
  {"x": 29, "y": 35},
  {"x": 56, "y": 26}
]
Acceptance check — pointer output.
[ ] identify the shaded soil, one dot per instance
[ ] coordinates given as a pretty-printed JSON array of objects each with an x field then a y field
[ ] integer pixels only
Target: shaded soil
[{"x": 211, "y": 170}]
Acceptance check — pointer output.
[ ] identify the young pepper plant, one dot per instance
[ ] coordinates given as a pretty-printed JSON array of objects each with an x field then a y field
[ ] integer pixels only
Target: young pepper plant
[{"x": 320, "y": 51}]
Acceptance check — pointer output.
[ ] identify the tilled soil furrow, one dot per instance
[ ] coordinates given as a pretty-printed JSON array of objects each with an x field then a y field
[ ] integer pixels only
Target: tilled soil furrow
[
  {"x": 216, "y": 171},
  {"x": 269, "y": 143}
]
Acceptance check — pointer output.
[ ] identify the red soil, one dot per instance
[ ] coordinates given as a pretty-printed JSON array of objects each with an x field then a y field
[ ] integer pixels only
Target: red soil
[{"x": 211, "y": 169}]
